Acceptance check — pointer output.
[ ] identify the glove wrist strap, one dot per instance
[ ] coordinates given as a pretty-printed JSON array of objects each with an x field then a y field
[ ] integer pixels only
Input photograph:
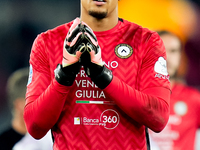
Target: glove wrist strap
[
  {"x": 63, "y": 77},
  {"x": 103, "y": 79}
]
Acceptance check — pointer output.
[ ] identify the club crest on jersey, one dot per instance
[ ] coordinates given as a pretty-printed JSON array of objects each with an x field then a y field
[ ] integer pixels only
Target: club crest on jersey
[{"x": 123, "y": 51}]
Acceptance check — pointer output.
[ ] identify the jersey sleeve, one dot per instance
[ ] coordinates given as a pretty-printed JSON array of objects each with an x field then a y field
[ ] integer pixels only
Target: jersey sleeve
[
  {"x": 39, "y": 71},
  {"x": 45, "y": 98},
  {"x": 149, "y": 103},
  {"x": 153, "y": 72}
]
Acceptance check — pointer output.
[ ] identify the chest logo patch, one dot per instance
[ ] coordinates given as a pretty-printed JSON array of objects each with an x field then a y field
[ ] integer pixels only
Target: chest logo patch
[
  {"x": 123, "y": 51},
  {"x": 161, "y": 66}
]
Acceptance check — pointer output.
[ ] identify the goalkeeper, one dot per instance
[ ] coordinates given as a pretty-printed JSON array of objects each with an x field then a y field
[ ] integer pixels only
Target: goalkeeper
[{"x": 97, "y": 82}]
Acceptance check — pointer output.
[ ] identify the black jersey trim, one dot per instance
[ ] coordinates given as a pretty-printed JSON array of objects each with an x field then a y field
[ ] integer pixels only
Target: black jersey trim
[
  {"x": 147, "y": 138},
  {"x": 120, "y": 19}
]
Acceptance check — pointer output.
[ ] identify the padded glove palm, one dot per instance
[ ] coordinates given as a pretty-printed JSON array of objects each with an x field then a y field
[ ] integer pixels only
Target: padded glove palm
[
  {"x": 73, "y": 47},
  {"x": 92, "y": 61}
]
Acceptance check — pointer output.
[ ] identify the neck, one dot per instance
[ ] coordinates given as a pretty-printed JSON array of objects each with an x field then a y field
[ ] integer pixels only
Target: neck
[{"x": 100, "y": 24}]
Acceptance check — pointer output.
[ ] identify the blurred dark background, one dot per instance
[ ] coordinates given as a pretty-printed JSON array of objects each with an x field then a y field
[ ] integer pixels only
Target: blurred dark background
[{"x": 22, "y": 20}]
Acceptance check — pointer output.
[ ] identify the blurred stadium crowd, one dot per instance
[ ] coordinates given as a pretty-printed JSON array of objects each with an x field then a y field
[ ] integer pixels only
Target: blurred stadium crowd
[{"x": 22, "y": 20}]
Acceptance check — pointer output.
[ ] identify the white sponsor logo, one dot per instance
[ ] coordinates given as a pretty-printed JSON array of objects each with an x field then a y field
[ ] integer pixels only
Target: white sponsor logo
[
  {"x": 77, "y": 121},
  {"x": 161, "y": 66},
  {"x": 112, "y": 64},
  {"x": 87, "y": 121},
  {"x": 109, "y": 119},
  {"x": 158, "y": 75},
  {"x": 30, "y": 75}
]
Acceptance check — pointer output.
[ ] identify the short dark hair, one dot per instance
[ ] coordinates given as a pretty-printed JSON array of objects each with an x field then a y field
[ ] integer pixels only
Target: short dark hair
[{"x": 16, "y": 85}]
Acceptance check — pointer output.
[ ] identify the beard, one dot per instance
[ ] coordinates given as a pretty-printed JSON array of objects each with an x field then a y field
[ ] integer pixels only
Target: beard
[{"x": 98, "y": 15}]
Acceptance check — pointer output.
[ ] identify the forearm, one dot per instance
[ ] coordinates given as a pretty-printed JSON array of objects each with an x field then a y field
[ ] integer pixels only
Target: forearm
[
  {"x": 42, "y": 112},
  {"x": 148, "y": 109}
]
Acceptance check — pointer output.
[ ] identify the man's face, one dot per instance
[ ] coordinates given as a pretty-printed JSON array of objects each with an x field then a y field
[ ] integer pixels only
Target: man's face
[
  {"x": 99, "y": 8},
  {"x": 173, "y": 50}
]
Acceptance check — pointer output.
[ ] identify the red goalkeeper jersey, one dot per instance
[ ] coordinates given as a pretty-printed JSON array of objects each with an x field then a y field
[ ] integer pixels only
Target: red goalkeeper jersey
[
  {"x": 184, "y": 120},
  {"x": 82, "y": 116}
]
